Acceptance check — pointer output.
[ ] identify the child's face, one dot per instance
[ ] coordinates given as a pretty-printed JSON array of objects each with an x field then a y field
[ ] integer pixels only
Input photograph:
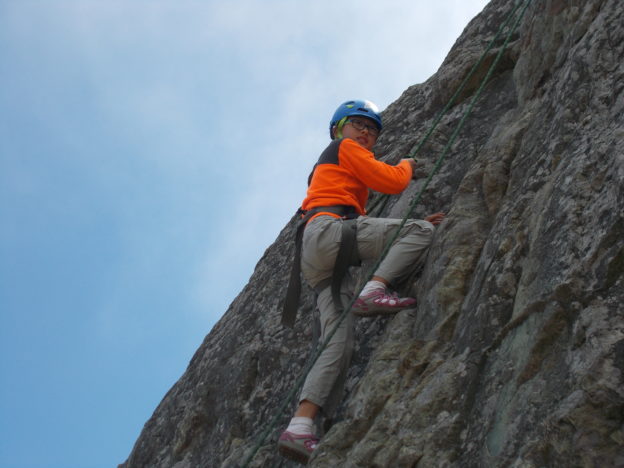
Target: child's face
[{"x": 366, "y": 137}]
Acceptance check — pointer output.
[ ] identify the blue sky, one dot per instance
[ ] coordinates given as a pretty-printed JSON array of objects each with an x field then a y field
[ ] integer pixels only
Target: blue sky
[{"x": 150, "y": 151}]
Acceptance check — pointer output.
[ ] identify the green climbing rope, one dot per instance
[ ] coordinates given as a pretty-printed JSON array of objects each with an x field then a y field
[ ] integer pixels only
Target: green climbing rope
[
  {"x": 383, "y": 199},
  {"x": 287, "y": 401}
]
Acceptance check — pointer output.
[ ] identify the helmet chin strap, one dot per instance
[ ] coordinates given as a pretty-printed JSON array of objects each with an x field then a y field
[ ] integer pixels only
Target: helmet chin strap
[{"x": 339, "y": 125}]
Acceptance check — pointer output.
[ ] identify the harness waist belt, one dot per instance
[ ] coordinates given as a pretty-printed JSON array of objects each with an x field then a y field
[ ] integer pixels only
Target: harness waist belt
[{"x": 344, "y": 211}]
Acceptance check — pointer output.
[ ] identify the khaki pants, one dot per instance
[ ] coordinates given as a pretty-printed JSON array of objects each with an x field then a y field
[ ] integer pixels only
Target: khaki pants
[{"x": 321, "y": 241}]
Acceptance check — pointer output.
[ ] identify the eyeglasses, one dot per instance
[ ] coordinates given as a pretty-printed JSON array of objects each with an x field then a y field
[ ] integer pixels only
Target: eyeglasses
[{"x": 361, "y": 125}]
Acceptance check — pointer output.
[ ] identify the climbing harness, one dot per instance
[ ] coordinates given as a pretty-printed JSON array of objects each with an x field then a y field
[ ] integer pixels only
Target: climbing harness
[{"x": 413, "y": 204}]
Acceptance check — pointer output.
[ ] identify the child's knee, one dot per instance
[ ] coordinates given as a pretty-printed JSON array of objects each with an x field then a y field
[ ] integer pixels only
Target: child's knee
[{"x": 422, "y": 229}]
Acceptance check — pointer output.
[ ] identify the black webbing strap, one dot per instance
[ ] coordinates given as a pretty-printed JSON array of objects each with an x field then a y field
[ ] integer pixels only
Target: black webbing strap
[
  {"x": 293, "y": 292},
  {"x": 347, "y": 256}
]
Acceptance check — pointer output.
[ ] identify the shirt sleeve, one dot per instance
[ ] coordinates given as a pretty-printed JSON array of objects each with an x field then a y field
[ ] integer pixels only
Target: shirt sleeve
[{"x": 376, "y": 175}]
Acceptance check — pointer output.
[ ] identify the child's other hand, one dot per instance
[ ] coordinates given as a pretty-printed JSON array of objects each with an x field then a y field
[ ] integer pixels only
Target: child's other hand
[{"x": 435, "y": 218}]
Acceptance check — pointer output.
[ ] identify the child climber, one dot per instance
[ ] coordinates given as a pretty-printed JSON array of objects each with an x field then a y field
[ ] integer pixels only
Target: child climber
[{"x": 338, "y": 192}]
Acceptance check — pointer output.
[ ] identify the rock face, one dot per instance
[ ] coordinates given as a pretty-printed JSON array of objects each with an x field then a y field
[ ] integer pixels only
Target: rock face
[{"x": 514, "y": 356}]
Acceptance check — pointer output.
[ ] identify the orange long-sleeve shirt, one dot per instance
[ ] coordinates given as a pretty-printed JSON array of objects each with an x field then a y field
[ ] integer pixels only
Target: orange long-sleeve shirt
[{"x": 344, "y": 173}]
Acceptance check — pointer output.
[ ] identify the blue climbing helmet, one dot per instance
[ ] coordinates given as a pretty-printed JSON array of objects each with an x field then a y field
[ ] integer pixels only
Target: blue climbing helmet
[{"x": 355, "y": 107}]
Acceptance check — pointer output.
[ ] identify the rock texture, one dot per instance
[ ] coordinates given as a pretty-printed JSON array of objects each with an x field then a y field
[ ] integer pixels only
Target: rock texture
[{"x": 514, "y": 356}]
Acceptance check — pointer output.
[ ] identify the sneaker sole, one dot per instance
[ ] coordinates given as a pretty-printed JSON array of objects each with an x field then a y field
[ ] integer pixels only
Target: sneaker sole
[
  {"x": 373, "y": 312},
  {"x": 293, "y": 454}
]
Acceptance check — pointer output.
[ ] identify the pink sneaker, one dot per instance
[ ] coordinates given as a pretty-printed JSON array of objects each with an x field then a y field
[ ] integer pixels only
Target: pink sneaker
[
  {"x": 297, "y": 447},
  {"x": 380, "y": 302}
]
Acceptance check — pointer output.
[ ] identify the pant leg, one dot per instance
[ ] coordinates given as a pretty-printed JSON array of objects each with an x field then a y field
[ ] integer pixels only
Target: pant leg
[
  {"x": 320, "y": 244},
  {"x": 374, "y": 233},
  {"x": 325, "y": 381}
]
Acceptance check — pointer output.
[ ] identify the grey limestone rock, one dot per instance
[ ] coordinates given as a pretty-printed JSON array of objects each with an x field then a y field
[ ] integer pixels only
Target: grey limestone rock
[{"x": 514, "y": 356}]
